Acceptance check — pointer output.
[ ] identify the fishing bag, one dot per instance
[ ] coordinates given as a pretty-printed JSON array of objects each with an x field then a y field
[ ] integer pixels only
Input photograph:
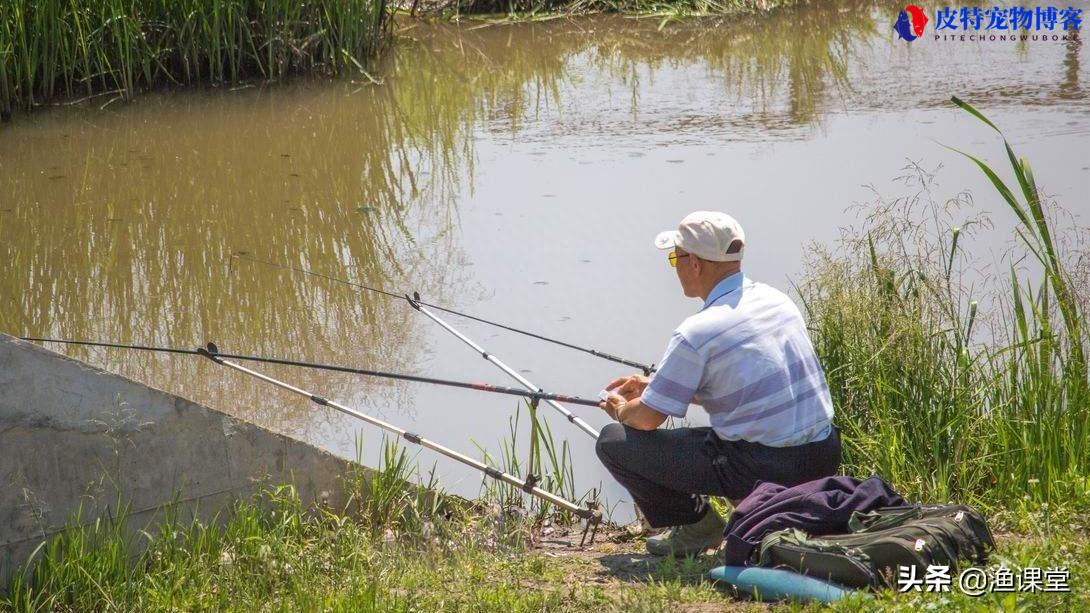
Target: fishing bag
[{"x": 880, "y": 542}]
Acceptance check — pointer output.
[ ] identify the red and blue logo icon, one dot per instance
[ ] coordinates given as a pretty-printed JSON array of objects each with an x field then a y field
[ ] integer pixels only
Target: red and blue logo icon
[{"x": 910, "y": 23}]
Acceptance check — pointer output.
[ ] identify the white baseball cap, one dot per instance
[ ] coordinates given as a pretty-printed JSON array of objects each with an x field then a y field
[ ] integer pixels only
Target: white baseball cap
[{"x": 705, "y": 234}]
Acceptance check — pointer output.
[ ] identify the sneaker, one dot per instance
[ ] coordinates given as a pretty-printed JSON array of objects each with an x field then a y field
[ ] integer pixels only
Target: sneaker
[{"x": 691, "y": 539}]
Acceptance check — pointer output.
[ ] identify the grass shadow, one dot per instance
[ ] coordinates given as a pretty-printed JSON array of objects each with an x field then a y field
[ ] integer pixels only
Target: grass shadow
[{"x": 643, "y": 568}]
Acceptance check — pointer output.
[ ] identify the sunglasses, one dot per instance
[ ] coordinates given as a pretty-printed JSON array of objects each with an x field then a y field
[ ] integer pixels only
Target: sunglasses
[{"x": 674, "y": 257}]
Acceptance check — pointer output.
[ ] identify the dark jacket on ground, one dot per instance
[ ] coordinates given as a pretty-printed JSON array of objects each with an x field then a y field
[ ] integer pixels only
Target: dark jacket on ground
[{"x": 818, "y": 507}]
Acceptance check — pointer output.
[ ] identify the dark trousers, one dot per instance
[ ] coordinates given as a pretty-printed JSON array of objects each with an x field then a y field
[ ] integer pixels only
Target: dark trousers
[{"x": 668, "y": 472}]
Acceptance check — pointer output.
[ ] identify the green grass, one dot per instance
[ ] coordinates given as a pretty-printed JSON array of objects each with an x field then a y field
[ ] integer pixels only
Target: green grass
[
  {"x": 947, "y": 399},
  {"x": 546, "y": 459},
  {"x": 53, "y": 49},
  {"x": 395, "y": 546},
  {"x": 272, "y": 554}
]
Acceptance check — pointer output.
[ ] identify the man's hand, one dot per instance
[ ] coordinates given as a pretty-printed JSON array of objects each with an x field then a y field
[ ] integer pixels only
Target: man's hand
[
  {"x": 628, "y": 387},
  {"x": 612, "y": 404},
  {"x": 623, "y": 403}
]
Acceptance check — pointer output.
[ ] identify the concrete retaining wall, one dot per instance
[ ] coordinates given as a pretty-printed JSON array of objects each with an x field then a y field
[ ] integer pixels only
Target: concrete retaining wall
[{"x": 73, "y": 435}]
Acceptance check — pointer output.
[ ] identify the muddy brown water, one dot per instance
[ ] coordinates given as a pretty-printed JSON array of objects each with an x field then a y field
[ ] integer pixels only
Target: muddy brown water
[{"x": 515, "y": 171}]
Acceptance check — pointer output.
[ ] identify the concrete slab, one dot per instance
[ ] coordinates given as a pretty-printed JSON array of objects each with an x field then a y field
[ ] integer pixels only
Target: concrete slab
[{"x": 74, "y": 437}]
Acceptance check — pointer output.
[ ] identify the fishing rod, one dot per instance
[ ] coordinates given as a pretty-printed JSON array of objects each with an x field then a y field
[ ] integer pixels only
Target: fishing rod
[
  {"x": 534, "y": 395},
  {"x": 415, "y": 302},
  {"x": 591, "y": 514},
  {"x": 646, "y": 368}
]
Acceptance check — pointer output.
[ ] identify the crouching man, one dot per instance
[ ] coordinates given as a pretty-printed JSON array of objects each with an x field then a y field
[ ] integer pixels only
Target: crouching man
[{"x": 747, "y": 358}]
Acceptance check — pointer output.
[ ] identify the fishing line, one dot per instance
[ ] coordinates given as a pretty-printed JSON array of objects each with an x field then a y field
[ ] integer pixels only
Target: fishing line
[
  {"x": 646, "y": 368},
  {"x": 415, "y": 303}
]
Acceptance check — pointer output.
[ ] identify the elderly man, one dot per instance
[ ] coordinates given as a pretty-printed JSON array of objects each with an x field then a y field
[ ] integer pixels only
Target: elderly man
[{"x": 746, "y": 357}]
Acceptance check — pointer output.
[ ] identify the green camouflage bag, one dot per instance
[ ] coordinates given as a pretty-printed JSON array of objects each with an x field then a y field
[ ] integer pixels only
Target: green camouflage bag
[{"x": 880, "y": 542}]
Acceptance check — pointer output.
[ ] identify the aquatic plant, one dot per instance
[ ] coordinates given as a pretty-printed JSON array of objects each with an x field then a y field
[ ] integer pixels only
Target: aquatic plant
[
  {"x": 945, "y": 400},
  {"x": 69, "y": 48},
  {"x": 546, "y": 459}
]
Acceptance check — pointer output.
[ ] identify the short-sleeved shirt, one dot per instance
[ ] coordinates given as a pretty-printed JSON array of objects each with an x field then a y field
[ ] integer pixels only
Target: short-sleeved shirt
[{"x": 747, "y": 358}]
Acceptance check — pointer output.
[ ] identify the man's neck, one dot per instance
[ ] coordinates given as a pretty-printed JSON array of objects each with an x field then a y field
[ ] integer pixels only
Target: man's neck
[{"x": 707, "y": 292}]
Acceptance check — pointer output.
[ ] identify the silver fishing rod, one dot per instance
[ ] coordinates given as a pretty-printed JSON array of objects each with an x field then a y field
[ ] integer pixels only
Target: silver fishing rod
[
  {"x": 414, "y": 301},
  {"x": 590, "y": 514}
]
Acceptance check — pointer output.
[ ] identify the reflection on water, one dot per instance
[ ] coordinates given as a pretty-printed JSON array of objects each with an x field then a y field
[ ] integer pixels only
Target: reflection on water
[
  {"x": 123, "y": 226},
  {"x": 777, "y": 72},
  {"x": 121, "y": 223},
  {"x": 781, "y": 68},
  {"x": 1070, "y": 88}
]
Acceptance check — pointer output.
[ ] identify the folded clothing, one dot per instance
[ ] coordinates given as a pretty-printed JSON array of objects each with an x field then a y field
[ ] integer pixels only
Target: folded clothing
[{"x": 818, "y": 507}]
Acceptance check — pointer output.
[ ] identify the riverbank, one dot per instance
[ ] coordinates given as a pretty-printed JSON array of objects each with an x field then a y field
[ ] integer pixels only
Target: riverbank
[
  {"x": 403, "y": 556},
  {"x": 56, "y": 52}
]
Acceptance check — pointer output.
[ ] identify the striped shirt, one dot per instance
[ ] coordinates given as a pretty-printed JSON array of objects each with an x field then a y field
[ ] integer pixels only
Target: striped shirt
[{"x": 746, "y": 357}]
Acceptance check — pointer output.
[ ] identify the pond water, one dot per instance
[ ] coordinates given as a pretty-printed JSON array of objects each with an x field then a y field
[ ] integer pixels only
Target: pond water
[{"x": 517, "y": 172}]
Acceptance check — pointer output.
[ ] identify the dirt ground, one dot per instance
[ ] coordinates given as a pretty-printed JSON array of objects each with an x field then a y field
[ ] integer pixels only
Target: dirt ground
[{"x": 617, "y": 560}]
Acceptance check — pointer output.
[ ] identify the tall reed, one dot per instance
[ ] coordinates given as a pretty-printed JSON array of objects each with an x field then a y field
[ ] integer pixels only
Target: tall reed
[
  {"x": 945, "y": 400},
  {"x": 69, "y": 48},
  {"x": 547, "y": 460}
]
